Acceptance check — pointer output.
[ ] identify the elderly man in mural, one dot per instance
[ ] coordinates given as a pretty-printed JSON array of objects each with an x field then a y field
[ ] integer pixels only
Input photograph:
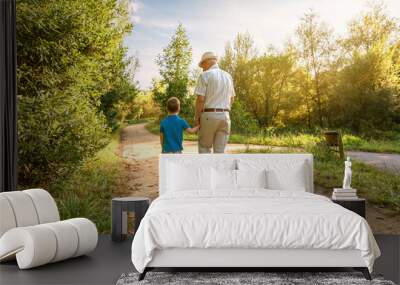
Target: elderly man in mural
[{"x": 215, "y": 95}]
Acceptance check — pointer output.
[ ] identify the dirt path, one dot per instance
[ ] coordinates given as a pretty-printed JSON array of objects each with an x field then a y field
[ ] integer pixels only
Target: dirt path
[{"x": 140, "y": 149}]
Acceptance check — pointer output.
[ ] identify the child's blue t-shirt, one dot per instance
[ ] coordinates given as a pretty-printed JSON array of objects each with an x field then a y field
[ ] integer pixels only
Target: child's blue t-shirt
[{"x": 172, "y": 127}]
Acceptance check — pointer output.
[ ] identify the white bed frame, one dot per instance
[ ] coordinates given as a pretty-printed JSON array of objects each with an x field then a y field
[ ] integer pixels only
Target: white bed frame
[
  {"x": 246, "y": 258},
  {"x": 234, "y": 257}
]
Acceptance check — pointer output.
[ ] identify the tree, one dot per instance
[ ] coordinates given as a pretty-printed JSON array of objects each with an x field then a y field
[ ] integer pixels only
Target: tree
[
  {"x": 174, "y": 66},
  {"x": 315, "y": 47},
  {"x": 396, "y": 66},
  {"x": 70, "y": 53},
  {"x": 367, "y": 93},
  {"x": 372, "y": 27},
  {"x": 305, "y": 106},
  {"x": 263, "y": 83},
  {"x": 365, "y": 98},
  {"x": 234, "y": 61},
  {"x": 269, "y": 86},
  {"x": 318, "y": 81},
  {"x": 117, "y": 103}
]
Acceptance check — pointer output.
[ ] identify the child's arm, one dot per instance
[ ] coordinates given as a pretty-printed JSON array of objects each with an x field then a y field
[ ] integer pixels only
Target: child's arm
[
  {"x": 161, "y": 134},
  {"x": 192, "y": 130}
]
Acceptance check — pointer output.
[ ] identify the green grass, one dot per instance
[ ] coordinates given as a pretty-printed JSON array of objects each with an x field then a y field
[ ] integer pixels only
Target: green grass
[
  {"x": 372, "y": 145},
  {"x": 379, "y": 187},
  {"x": 88, "y": 191},
  {"x": 286, "y": 140},
  {"x": 351, "y": 142}
]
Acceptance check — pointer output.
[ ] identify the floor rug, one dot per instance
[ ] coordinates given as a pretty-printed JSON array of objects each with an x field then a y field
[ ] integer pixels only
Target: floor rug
[{"x": 243, "y": 278}]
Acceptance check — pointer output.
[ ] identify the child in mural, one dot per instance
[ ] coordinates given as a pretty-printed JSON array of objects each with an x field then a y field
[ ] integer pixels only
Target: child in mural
[{"x": 172, "y": 127}]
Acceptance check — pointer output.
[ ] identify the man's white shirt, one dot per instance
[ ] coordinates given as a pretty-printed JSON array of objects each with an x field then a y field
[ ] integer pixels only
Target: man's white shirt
[{"x": 217, "y": 87}]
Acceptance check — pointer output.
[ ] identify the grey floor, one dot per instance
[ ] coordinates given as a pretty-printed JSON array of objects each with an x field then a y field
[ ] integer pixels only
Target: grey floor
[
  {"x": 103, "y": 266},
  {"x": 110, "y": 260}
]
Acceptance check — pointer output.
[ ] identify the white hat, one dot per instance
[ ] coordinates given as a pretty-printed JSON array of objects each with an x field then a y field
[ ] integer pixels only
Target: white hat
[{"x": 207, "y": 55}]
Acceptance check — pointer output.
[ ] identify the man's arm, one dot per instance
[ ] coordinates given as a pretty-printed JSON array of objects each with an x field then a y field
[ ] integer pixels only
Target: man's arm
[
  {"x": 199, "y": 109},
  {"x": 200, "y": 91},
  {"x": 232, "y": 94}
]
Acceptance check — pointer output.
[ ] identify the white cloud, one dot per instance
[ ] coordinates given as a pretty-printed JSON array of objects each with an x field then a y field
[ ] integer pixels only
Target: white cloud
[
  {"x": 160, "y": 23},
  {"x": 136, "y": 19},
  {"x": 133, "y": 8}
]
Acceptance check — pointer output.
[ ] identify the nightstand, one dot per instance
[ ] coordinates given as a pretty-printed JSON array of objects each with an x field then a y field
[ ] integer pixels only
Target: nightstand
[
  {"x": 119, "y": 208},
  {"x": 356, "y": 205}
]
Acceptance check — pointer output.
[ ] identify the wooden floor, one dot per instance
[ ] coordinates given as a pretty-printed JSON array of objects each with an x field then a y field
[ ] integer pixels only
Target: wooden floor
[{"x": 110, "y": 260}]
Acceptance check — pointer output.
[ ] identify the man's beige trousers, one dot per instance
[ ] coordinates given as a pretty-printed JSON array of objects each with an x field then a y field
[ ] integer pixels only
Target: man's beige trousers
[{"x": 214, "y": 131}]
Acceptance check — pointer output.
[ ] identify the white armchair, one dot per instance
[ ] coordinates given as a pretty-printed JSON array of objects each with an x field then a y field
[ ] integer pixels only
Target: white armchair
[{"x": 31, "y": 230}]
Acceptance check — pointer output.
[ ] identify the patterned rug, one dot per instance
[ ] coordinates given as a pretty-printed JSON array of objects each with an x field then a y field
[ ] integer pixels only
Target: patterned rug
[{"x": 243, "y": 278}]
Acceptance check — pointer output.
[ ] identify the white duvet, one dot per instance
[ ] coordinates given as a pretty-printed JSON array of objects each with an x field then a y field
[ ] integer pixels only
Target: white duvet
[{"x": 250, "y": 219}]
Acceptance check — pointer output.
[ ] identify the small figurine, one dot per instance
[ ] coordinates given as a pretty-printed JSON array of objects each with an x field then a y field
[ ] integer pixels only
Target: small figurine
[{"x": 347, "y": 174}]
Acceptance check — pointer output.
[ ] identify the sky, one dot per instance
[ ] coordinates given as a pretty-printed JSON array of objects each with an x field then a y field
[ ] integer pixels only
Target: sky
[{"x": 210, "y": 24}]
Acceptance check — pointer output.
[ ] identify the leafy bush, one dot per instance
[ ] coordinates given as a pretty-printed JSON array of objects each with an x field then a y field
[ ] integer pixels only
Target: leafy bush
[
  {"x": 117, "y": 104},
  {"x": 352, "y": 142},
  {"x": 87, "y": 192},
  {"x": 56, "y": 132},
  {"x": 241, "y": 120},
  {"x": 70, "y": 53}
]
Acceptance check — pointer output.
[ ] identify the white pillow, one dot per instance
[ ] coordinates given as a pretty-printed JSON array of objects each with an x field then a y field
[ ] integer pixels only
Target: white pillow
[
  {"x": 215, "y": 161},
  {"x": 224, "y": 179},
  {"x": 292, "y": 178},
  {"x": 282, "y": 174},
  {"x": 183, "y": 178},
  {"x": 251, "y": 178}
]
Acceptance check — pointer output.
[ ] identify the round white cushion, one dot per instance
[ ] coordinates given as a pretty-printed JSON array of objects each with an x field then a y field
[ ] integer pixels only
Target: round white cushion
[
  {"x": 7, "y": 218},
  {"x": 66, "y": 238},
  {"x": 33, "y": 246},
  {"x": 23, "y": 208},
  {"x": 41, "y": 244},
  {"x": 46, "y": 207},
  {"x": 87, "y": 234}
]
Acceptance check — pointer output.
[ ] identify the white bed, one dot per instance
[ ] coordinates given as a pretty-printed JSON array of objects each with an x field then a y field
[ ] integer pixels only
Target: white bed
[{"x": 217, "y": 224}]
